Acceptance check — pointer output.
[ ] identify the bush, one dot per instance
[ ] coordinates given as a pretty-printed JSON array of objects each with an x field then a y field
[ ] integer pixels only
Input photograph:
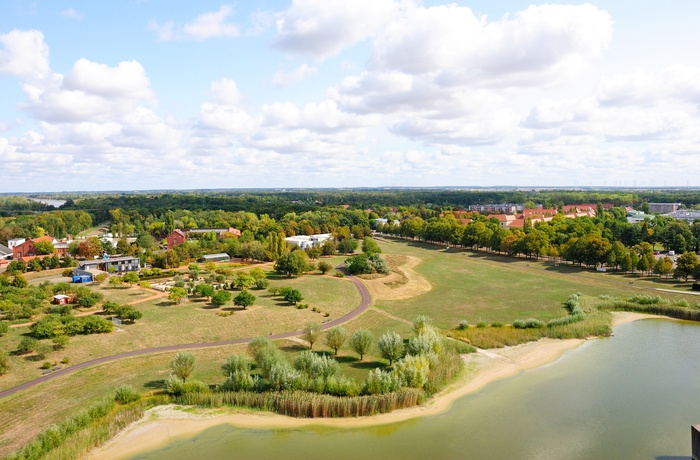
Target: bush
[
  {"x": 482, "y": 324},
  {"x": 4, "y": 363},
  {"x": 26, "y": 345},
  {"x": 464, "y": 324},
  {"x": 530, "y": 323},
  {"x": 497, "y": 324},
  {"x": 46, "y": 365},
  {"x": 4, "y": 327},
  {"x": 126, "y": 394}
]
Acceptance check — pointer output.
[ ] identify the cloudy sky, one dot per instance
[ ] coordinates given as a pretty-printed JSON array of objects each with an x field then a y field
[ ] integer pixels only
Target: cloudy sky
[{"x": 146, "y": 94}]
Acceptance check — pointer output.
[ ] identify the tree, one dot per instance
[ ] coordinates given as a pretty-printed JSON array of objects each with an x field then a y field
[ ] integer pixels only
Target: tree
[
  {"x": 4, "y": 363},
  {"x": 146, "y": 241},
  {"x": 44, "y": 248},
  {"x": 204, "y": 290},
  {"x": 116, "y": 281},
  {"x": 182, "y": 365},
  {"x": 685, "y": 265},
  {"x": 663, "y": 266},
  {"x": 336, "y": 337},
  {"x": 292, "y": 296},
  {"x": 258, "y": 273},
  {"x": 292, "y": 263},
  {"x": 369, "y": 246},
  {"x": 391, "y": 346},
  {"x": 347, "y": 246},
  {"x": 324, "y": 267},
  {"x": 176, "y": 294},
  {"x": 361, "y": 342},
  {"x": 19, "y": 281},
  {"x": 311, "y": 333},
  {"x": 220, "y": 298},
  {"x": 244, "y": 299},
  {"x": 131, "y": 278}
]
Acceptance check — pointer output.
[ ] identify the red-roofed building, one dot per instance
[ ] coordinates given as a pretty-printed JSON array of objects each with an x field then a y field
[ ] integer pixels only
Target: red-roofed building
[
  {"x": 28, "y": 248},
  {"x": 175, "y": 238}
]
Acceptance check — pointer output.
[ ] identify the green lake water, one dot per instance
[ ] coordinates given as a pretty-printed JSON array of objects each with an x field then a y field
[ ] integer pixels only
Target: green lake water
[{"x": 631, "y": 396}]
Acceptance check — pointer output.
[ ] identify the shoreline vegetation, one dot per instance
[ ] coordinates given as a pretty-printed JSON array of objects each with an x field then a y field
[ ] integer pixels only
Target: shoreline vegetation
[{"x": 164, "y": 424}]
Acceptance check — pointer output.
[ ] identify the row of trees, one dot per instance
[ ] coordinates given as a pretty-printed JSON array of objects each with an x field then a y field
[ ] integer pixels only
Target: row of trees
[{"x": 410, "y": 364}]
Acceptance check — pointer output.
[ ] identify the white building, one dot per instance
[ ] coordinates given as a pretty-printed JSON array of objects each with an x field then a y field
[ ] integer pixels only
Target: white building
[{"x": 308, "y": 241}]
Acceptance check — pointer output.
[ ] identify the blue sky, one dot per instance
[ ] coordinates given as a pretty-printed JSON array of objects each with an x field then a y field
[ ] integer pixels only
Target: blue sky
[{"x": 146, "y": 94}]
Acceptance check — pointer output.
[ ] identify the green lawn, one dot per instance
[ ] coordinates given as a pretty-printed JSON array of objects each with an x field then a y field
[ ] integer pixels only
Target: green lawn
[{"x": 492, "y": 288}]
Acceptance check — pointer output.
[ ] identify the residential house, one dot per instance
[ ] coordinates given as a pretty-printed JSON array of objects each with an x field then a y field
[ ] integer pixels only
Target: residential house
[
  {"x": 176, "y": 237},
  {"x": 5, "y": 252},
  {"x": 663, "y": 208}
]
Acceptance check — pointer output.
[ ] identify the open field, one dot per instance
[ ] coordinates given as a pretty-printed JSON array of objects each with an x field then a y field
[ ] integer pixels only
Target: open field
[
  {"x": 165, "y": 323},
  {"x": 486, "y": 287},
  {"x": 464, "y": 285}
]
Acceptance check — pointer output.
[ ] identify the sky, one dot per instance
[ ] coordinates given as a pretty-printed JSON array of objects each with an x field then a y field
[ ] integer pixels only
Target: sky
[{"x": 143, "y": 94}]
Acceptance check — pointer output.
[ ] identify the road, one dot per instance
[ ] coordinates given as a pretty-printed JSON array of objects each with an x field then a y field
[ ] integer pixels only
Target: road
[{"x": 364, "y": 304}]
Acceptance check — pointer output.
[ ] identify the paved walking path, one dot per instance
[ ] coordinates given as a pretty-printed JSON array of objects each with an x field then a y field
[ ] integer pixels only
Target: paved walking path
[{"x": 364, "y": 304}]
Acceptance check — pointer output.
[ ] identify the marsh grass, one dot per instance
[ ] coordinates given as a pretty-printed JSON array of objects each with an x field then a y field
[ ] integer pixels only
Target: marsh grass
[
  {"x": 87, "y": 430},
  {"x": 308, "y": 405}
]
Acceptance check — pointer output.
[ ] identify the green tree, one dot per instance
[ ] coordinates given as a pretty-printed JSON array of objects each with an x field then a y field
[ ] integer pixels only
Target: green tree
[
  {"x": 258, "y": 273},
  {"x": 292, "y": 263},
  {"x": 244, "y": 299},
  {"x": 347, "y": 246},
  {"x": 44, "y": 247},
  {"x": 131, "y": 278},
  {"x": 311, "y": 333},
  {"x": 685, "y": 265},
  {"x": 220, "y": 298},
  {"x": 391, "y": 346},
  {"x": 324, "y": 267},
  {"x": 293, "y": 296},
  {"x": 361, "y": 342},
  {"x": 205, "y": 290},
  {"x": 146, "y": 241},
  {"x": 663, "y": 266},
  {"x": 4, "y": 363},
  {"x": 182, "y": 365},
  {"x": 19, "y": 281},
  {"x": 370, "y": 246},
  {"x": 336, "y": 338},
  {"x": 176, "y": 294}
]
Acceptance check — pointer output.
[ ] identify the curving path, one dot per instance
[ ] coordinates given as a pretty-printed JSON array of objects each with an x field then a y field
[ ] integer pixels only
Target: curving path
[{"x": 364, "y": 304}]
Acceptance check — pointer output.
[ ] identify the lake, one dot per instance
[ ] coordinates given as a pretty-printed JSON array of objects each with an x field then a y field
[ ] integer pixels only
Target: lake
[{"x": 630, "y": 396}]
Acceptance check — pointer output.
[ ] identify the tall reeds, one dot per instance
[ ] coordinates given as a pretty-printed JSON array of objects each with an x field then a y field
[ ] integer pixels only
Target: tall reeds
[{"x": 308, "y": 405}]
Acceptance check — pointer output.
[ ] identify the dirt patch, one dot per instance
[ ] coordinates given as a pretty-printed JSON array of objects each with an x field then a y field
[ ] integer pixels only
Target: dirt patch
[{"x": 402, "y": 283}]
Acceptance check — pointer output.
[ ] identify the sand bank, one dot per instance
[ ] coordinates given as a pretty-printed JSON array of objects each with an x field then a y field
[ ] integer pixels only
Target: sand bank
[{"x": 164, "y": 424}]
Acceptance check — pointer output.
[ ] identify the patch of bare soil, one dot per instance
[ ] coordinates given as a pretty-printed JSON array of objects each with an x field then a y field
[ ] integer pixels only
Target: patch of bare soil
[{"x": 402, "y": 283}]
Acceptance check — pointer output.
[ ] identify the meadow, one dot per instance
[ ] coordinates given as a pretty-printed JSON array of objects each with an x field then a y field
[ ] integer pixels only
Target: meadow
[{"x": 465, "y": 285}]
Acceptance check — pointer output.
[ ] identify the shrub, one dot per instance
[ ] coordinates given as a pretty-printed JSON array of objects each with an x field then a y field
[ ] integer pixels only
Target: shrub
[
  {"x": 126, "y": 394},
  {"x": 482, "y": 324},
  {"x": 497, "y": 324},
  {"x": 380, "y": 382},
  {"x": 46, "y": 365},
  {"x": 464, "y": 324},
  {"x": 26, "y": 345},
  {"x": 529, "y": 323},
  {"x": 4, "y": 363}
]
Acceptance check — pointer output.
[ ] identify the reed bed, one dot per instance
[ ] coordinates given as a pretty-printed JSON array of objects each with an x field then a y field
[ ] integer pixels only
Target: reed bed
[
  {"x": 308, "y": 405},
  {"x": 666, "y": 309},
  {"x": 86, "y": 431}
]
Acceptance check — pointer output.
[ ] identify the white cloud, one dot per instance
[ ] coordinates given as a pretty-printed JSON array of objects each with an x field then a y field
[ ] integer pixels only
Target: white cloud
[
  {"x": 205, "y": 26},
  {"x": 25, "y": 54},
  {"x": 544, "y": 40},
  {"x": 126, "y": 80},
  {"x": 71, "y": 13},
  {"x": 323, "y": 28},
  {"x": 212, "y": 25},
  {"x": 284, "y": 79}
]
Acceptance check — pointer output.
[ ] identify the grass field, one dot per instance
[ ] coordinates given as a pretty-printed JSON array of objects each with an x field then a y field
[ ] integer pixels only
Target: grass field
[
  {"x": 465, "y": 285},
  {"x": 165, "y": 323},
  {"x": 492, "y": 288}
]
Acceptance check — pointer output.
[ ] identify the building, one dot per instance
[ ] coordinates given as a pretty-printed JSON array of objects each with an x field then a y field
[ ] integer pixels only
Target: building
[
  {"x": 505, "y": 208},
  {"x": 89, "y": 268},
  {"x": 177, "y": 236},
  {"x": 663, "y": 208},
  {"x": 688, "y": 216},
  {"x": 308, "y": 241},
  {"x": 5, "y": 252},
  {"x": 220, "y": 257},
  {"x": 28, "y": 247}
]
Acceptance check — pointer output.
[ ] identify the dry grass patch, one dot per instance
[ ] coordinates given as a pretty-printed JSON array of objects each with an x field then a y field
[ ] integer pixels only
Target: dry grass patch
[{"x": 402, "y": 283}]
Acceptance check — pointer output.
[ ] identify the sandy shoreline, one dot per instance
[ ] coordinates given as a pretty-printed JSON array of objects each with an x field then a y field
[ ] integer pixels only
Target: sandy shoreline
[{"x": 164, "y": 424}]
